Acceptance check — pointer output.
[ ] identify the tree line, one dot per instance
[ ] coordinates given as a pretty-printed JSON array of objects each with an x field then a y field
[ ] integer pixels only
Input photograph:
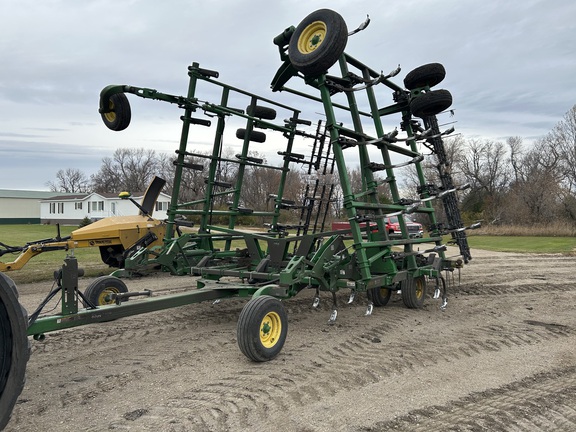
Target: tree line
[
  {"x": 515, "y": 184},
  {"x": 511, "y": 183}
]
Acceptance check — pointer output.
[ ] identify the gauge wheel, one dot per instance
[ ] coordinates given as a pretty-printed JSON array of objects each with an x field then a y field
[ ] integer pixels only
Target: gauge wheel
[
  {"x": 430, "y": 103},
  {"x": 14, "y": 348},
  {"x": 379, "y": 296},
  {"x": 413, "y": 292},
  {"x": 318, "y": 42},
  {"x": 429, "y": 75},
  {"x": 255, "y": 136},
  {"x": 99, "y": 290},
  {"x": 262, "y": 328},
  {"x": 119, "y": 116},
  {"x": 261, "y": 112}
]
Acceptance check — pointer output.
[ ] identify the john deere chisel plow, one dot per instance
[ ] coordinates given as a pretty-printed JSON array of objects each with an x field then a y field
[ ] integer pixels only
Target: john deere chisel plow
[{"x": 274, "y": 264}]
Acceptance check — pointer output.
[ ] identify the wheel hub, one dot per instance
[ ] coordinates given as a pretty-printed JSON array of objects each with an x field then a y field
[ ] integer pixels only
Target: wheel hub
[
  {"x": 312, "y": 37},
  {"x": 270, "y": 329}
]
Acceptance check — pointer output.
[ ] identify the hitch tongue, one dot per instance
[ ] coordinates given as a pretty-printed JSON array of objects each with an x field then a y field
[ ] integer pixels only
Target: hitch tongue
[{"x": 118, "y": 297}]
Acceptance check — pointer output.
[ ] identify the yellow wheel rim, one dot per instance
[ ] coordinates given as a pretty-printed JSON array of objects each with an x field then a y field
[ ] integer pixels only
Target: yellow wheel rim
[
  {"x": 270, "y": 329},
  {"x": 384, "y": 292},
  {"x": 110, "y": 116},
  {"x": 419, "y": 288},
  {"x": 312, "y": 37},
  {"x": 102, "y": 300}
]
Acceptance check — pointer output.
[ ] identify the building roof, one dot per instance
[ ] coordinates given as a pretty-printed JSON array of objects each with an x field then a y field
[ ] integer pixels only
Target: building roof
[
  {"x": 106, "y": 195},
  {"x": 67, "y": 197},
  {"x": 28, "y": 194}
]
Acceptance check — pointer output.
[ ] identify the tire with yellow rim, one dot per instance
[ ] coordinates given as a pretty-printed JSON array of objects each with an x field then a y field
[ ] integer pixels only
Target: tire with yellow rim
[
  {"x": 99, "y": 290},
  {"x": 318, "y": 42},
  {"x": 413, "y": 291},
  {"x": 379, "y": 296},
  {"x": 120, "y": 114},
  {"x": 262, "y": 328}
]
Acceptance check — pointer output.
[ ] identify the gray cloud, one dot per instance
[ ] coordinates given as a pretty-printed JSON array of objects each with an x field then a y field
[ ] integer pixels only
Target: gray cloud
[{"x": 510, "y": 66}]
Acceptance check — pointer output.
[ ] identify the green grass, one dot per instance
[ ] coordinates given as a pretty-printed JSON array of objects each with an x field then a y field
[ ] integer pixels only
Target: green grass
[
  {"x": 524, "y": 244},
  {"x": 42, "y": 266}
]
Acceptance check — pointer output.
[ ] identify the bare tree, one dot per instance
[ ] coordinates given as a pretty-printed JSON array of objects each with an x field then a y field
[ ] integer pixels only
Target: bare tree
[
  {"x": 534, "y": 194},
  {"x": 128, "y": 169},
  {"x": 485, "y": 166},
  {"x": 70, "y": 180},
  {"x": 562, "y": 140}
]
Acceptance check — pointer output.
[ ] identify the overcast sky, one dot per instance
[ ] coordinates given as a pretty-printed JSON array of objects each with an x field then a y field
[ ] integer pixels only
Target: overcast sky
[{"x": 511, "y": 66}]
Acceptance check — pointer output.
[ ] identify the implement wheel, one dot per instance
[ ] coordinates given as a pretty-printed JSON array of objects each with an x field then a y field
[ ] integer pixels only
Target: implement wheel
[
  {"x": 413, "y": 292},
  {"x": 379, "y": 296},
  {"x": 262, "y": 328},
  {"x": 14, "y": 348},
  {"x": 431, "y": 103},
  {"x": 426, "y": 75},
  {"x": 255, "y": 136},
  {"x": 120, "y": 115},
  {"x": 261, "y": 112},
  {"x": 99, "y": 290},
  {"x": 318, "y": 42}
]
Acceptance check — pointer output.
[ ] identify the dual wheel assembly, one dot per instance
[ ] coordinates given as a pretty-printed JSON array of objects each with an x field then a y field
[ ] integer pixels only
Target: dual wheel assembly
[{"x": 320, "y": 39}]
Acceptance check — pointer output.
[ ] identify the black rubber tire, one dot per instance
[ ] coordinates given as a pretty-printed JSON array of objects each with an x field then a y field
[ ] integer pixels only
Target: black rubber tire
[
  {"x": 262, "y": 112},
  {"x": 14, "y": 348},
  {"x": 102, "y": 286},
  {"x": 430, "y": 103},
  {"x": 413, "y": 292},
  {"x": 119, "y": 118},
  {"x": 430, "y": 74},
  {"x": 262, "y": 328},
  {"x": 379, "y": 296},
  {"x": 330, "y": 32},
  {"x": 255, "y": 136}
]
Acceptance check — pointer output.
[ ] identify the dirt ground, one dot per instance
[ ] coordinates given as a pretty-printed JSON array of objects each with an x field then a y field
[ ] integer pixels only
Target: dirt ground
[{"x": 501, "y": 357}]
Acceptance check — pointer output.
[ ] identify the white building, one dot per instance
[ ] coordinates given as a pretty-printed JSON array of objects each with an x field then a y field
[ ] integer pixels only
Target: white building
[
  {"x": 72, "y": 209},
  {"x": 21, "y": 206}
]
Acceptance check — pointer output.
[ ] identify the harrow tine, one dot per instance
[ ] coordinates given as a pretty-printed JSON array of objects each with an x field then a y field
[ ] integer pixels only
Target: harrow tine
[
  {"x": 369, "y": 309},
  {"x": 333, "y": 316},
  {"x": 334, "y": 313},
  {"x": 352, "y": 297},
  {"x": 444, "y": 304},
  {"x": 316, "y": 301}
]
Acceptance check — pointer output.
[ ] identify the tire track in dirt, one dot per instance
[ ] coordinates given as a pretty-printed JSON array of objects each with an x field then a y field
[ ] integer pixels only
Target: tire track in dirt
[
  {"x": 189, "y": 356},
  {"x": 239, "y": 399},
  {"x": 541, "y": 402},
  {"x": 502, "y": 289}
]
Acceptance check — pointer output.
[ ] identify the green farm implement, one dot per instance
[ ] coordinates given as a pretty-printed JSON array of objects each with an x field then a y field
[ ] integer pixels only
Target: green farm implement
[{"x": 270, "y": 266}]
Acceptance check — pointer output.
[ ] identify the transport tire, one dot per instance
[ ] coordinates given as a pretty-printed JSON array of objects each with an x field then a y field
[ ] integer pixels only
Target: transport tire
[
  {"x": 431, "y": 103},
  {"x": 120, "y": 115},
  {"x": 413, "y": 292},
  {"x": 261, "y": 112},
  {"x": 262, "y": 328},
  {"x": 318, "y": 42},
  {"x": 255, "y": 136},
  {"x": 14, "y": 348},
  {"x": 379, "y": 296},
  {"x": 100, "y": 288},
  {"x": 429, "y": 75}
]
